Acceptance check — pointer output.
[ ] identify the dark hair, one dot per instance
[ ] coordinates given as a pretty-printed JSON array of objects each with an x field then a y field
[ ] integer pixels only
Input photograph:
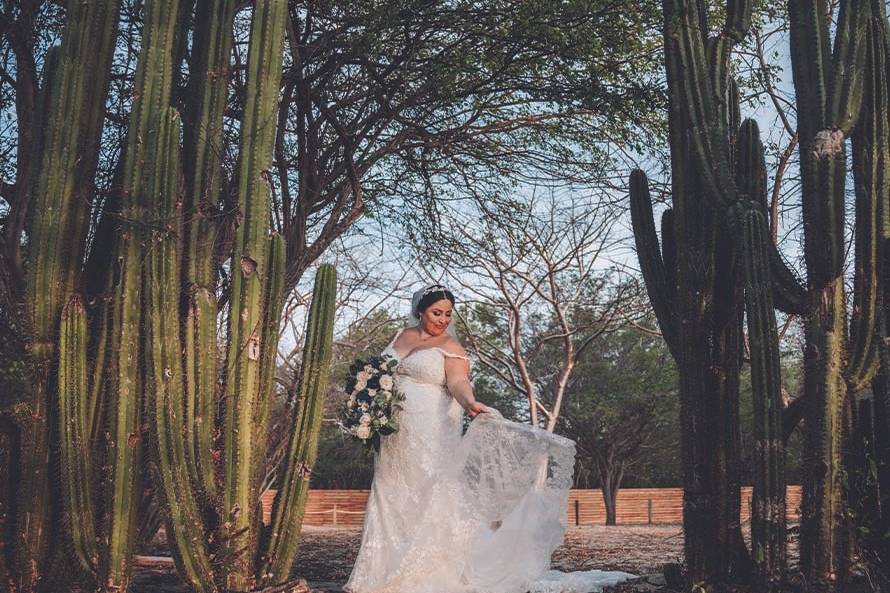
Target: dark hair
[{"x": 431, "y": 296}]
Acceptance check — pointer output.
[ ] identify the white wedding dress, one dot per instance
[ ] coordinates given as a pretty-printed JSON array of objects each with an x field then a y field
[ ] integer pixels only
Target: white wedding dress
[{"x": 478, "y": 513}]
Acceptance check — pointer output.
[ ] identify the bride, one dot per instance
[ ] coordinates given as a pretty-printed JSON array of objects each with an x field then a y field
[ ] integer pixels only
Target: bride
[{"x": 478, "y": 513}]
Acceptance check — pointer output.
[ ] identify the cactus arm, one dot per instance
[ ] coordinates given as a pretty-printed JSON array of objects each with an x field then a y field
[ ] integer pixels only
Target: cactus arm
[
  {"x": 848, "y": 79},
  {"x": 669, "y": 252},
  {"x": 687, "y": 81},
  {"x": 768, "y": 516},
  {"x": 689, "y": 71},
  {"x": 69, "y": 155},
  {"x": 274, "y": 302},
  {"x": 789, "y": 295},
  {"x": 652, "y": 264},
  {"x": 290, "y": 502},
  {"x": 184, "y": 525},
  {"x": 768, "y": 523},
  {"x": 123, "y": 425},
  {"x": 871, "y": 161},
  {"x": 145, "y": 150},
  {"x": 828, "y": 95},
  {"x": 202, "y": 153},
  {"x": 75, "y": 450},
  {"x": 203, "y": 137},
  {"x": 73, "y": 104},
  {"x": 811, "y": 60},
  {"x": 250, "y": 267},
  {"x": 200, "y": 355}
]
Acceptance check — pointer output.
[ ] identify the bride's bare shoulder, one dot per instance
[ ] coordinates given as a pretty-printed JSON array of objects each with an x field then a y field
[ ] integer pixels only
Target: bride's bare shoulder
[{"x": 405, "y": 335}]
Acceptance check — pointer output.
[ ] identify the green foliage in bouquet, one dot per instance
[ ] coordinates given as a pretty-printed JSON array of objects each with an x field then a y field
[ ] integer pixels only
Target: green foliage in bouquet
[{"x": 371, "y": 409}]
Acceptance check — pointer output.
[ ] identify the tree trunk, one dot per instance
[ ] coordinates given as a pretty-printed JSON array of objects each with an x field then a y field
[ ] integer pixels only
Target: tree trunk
[{"x": 611, "y": 473}]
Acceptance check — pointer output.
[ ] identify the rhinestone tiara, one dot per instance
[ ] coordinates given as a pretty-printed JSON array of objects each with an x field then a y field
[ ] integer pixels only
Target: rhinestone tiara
[{"x": 433, "y": 288}]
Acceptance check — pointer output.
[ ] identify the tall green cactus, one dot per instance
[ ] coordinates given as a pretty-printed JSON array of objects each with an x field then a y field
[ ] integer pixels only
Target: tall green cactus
[
  {"x": 76, "y": 448},
  {"x": 718, "y": 184},
  {"x": 72, "y": 125},
  {"x": 203, "y": 525},
  {"x": 768, "y": 518},
  {"x": 705, "y": 341},
  {"x": 202, "y": 156},
  {"x": 171, "y": 440},
  {"x": 290, "y": 502},
  {"x": 152, "y": 337},
  {"x": 870, "y": 467},
  {"x": 828, "y": 87},
  {"x": 250, "y": 270},
  {"x": 829, "y": 90},
  {"x": 147, "y": 160}
]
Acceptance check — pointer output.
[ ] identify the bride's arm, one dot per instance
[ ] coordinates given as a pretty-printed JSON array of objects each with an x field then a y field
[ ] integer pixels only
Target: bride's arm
[{"x": 457, "y": 378}]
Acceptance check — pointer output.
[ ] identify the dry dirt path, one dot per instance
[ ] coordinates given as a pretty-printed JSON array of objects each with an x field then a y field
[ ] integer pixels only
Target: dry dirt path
[{"x": 326, "y": 555}]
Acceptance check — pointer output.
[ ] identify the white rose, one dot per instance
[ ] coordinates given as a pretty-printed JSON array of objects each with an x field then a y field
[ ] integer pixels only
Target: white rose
[
  {"x": 369, "y": 369},
  {"x": 386, "y": 382},
  {"x": 363, "y": 431},
  {"x": 359, "y": 385},
  {"x": 363, "y": 377},
  {"x": 364, "y": 407},
  {"x": 351, "y": 402},
  {"x": 384, "y": 420},
  {"x": 365, "y": 419},
  {"x": 372, "y": 392}
]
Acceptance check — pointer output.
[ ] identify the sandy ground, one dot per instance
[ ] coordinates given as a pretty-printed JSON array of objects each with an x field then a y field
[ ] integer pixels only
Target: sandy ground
[{"x": 326, "y": 555}]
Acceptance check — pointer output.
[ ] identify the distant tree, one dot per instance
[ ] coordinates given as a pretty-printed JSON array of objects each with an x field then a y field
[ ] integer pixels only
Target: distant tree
[
  {"x": 384, "y": 108},
  {"x": 623, "y": 397},
  {"x": 533, "y": 277}
]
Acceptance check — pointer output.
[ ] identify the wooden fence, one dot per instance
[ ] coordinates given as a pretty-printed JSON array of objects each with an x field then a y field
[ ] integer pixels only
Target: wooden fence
[{"x": 635, "y": 506}]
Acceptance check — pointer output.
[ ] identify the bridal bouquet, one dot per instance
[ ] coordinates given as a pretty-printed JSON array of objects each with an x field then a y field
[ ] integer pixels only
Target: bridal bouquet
[{"x": 373, "y": 402}]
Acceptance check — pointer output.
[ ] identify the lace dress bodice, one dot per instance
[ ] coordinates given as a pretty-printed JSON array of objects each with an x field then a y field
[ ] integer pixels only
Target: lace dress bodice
[
  {"x": 422, "y": 365},
  {"x": 478, "y": 513}
]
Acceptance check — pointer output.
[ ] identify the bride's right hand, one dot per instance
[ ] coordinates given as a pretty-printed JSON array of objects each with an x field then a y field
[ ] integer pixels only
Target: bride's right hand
[{"x": 476, "y": 408}]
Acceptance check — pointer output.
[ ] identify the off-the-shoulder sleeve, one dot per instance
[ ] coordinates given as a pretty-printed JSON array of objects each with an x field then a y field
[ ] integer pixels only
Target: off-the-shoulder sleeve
[{"x": 453, "y": 355}]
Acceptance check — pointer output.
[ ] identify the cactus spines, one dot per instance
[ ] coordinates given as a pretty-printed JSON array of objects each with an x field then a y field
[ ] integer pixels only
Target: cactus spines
[
  {"x": 144, "y": 167},
  {"x": 287, "y": 513},
  {"x": 250, "y": 269},
  {"x": 768, "y": 520},
  {"x": 75, "y": 446},
  {"x": 828, "y": 88},
  {"x": 72, "y": 127},
  {"x": 166, "y": 386}
]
